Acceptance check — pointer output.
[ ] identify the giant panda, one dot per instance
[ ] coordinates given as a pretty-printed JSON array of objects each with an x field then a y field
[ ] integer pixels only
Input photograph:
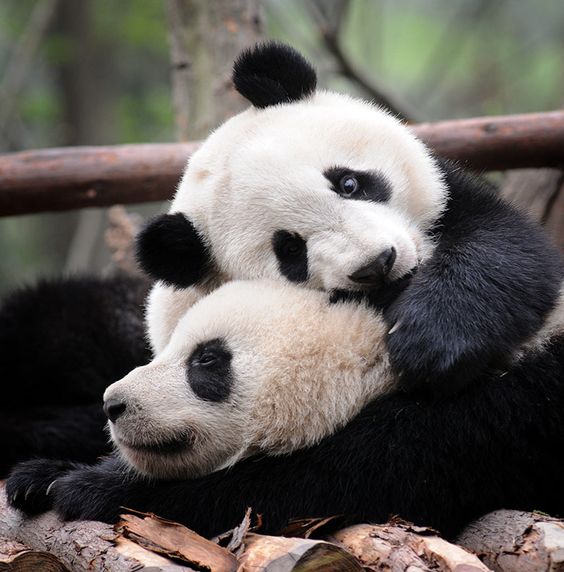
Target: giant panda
[
  {"x": 261, "y": 387},
  {"x": 62, "y": 342},
  {"x": 333, "y": 193}
]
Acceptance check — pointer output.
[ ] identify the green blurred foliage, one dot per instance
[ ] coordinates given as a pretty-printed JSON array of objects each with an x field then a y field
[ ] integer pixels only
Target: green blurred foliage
[{"x": 446, "y": 58}]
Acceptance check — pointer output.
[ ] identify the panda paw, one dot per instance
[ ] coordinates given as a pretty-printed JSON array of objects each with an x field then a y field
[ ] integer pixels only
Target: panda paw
[
  {"x": 87, "y": 494},
  {"x": 428, "y": 357},
  {"x": 29, "y": 487}
]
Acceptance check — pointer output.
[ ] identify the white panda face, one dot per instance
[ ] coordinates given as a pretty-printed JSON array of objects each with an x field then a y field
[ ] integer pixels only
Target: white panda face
[
  {"x": 253, "y": 367},
  {"x": 329, "y": 192}
]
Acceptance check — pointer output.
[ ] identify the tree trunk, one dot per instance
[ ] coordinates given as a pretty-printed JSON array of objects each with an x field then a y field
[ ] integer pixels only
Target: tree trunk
[
  {"x": 205, "y": 37},
  {"x": 540, "y": 192}
]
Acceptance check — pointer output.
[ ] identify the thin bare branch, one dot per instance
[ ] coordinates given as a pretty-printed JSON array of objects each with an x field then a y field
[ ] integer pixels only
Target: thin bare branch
[{"x": 329, "y": 29}]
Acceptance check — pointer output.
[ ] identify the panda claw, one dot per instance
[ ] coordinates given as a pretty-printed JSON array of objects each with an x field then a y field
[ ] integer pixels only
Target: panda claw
[
  {"x": 49, "y": 487},
  {"x": 28, "y": 491},
  {"x": 395, "y": 327}
]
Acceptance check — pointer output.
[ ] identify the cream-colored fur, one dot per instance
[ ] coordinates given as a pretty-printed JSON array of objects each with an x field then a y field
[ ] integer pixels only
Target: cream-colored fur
[
  {"x": 262, "y": 171},
  {"x": 302, "y": 368}
]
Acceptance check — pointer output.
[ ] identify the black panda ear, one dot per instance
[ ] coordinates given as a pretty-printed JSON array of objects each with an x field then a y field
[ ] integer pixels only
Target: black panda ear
[
  {"x": 169, "y": 248},
  {"x": 273, "y": 73}
]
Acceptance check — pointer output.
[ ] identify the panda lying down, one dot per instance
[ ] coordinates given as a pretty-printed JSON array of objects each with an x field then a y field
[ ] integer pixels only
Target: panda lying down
[{"x": 257, "y": 373}]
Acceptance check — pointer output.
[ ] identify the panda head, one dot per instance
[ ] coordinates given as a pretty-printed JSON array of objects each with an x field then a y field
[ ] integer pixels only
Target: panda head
[
  {"x": 313, "y": 187},
  {"x": 255, "y": 367}
]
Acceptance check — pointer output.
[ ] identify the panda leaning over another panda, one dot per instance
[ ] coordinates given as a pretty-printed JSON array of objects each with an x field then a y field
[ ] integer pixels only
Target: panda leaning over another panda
[
  {"x": 333, "y": 193},
  {"x": 304, "y": 388}
]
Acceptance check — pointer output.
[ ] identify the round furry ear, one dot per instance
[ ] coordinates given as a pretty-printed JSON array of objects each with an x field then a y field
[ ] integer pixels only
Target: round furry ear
[
  {"x": 273, "y": 73},
  {"x": 169, "y": 248}
]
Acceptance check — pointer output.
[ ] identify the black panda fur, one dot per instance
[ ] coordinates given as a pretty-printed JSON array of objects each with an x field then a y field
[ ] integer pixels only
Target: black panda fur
[
  {"x": 62, "y": 342},
  {"x": 435, "y": 461},
  {"x": 272, "y": 73},
  {"x": 488, "y": 287}
]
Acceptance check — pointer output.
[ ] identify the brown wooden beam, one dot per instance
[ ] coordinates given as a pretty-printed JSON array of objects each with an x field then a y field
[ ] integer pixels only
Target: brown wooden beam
[
  {"x": 499, "y": 143},
  {"x": 79, "y": 177}
]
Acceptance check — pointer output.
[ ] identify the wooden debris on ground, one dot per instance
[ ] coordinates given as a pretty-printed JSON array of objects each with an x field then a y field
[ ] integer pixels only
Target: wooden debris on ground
[
  {"x": 176, "y": 542},
  {"x": 505, "y": 541}
]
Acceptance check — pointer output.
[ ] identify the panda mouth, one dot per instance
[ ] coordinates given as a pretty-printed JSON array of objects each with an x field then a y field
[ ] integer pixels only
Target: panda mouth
[{"x": 172, "y": 446}]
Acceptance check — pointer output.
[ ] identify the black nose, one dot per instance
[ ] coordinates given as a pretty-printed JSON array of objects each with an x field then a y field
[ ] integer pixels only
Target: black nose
[
  {"x": 113, "y": 409},
  {"x": 376, "y": 270}
]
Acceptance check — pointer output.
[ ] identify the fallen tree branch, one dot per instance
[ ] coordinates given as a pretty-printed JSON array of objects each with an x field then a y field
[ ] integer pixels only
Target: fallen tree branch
[{"x": 79, "y": 177}]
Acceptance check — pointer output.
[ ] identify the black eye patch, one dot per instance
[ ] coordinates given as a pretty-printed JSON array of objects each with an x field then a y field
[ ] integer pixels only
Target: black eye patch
[
  {"x": 291, "y": 251},
  {"x": 208, "y": 370},
  {"x": 359, "y": 185}
]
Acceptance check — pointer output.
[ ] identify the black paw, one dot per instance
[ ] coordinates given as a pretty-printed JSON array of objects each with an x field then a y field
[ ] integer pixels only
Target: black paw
[
  {"x": 29, "y": 487},
  {"x": 91, "y": 493},
  {"x": 428, "y": 354}
]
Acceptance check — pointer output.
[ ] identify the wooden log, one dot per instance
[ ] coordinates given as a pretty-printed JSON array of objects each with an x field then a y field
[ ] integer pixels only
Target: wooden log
[
  {"x": 515, "y": 541},
  {"x": 79, "y": 177},
  {"x": 78, "y": 546},
  {"x": 499, "y": 143},
  {"x": 280, "y": 554},
  {"x": 401, "y": 547},
  {"x": 16, "y": 557}
]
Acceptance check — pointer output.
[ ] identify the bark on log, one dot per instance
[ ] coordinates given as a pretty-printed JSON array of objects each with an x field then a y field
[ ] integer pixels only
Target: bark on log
[
  {"x": 402, "y": 547},
  {"x": 80, "y": 546},
  {"x": 514, "y": 541},
  {"x": 15, "y": 557},
  {"x": 70, "y": 178},
  {"x": 176, "y": 541},
  {"x": 499, "y": 143}
]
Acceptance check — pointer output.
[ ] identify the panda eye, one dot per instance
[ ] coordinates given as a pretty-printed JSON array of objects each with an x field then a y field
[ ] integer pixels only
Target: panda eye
[
  {"x": 292, "y": 245},
  {"x": 207, "y": 359},
  {"x": 208, "y": 370},
  {"x": 348, "y": 185}
]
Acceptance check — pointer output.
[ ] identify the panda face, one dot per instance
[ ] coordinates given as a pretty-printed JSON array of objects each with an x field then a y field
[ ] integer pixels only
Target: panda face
[
  {"x": 255, "y": 367},
  {"x": 328, "y": 192}
]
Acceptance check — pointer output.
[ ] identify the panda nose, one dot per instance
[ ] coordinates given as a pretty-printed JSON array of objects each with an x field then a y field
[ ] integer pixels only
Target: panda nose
[
  {"x": 113, "y": 409},
  {"x": 377, "y": 269}
]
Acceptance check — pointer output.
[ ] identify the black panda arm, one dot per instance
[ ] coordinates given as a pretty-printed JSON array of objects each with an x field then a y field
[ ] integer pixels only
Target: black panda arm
[
  {"x": 435, "y": 462},
  {"x": 488, "y": 287},
  {"x": 75, "y": 433}
]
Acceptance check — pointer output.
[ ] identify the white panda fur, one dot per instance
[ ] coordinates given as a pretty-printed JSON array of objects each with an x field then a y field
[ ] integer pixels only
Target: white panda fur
[{"x": 301, "y": 369}]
